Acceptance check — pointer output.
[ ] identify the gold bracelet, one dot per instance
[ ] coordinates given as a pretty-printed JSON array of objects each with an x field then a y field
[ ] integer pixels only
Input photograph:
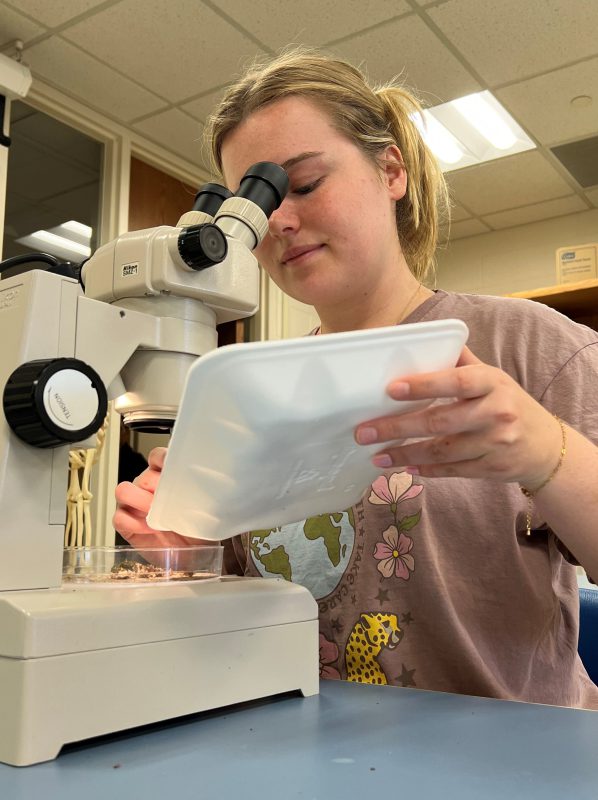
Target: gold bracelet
[{"x": 530, "y": 495}]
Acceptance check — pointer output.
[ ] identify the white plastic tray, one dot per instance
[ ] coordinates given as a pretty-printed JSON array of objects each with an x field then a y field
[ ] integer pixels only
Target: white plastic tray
[{"x": 265, "y": 431}]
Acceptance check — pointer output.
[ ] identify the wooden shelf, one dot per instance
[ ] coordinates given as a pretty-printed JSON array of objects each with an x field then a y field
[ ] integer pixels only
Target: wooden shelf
[{"x": 572, "y": 299}]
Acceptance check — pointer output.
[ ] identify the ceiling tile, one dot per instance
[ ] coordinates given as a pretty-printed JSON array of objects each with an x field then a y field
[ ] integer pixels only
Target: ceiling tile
[
  {"x": 95, "y": 84},
  {"x": 59, "y": 175},
  {"x": 592, "y": 196},
  {"x": 458, "y": 213},
  {"x": 38, "y": 135},
  {"x": 511, "y": 39},
  {"x": 184, "y": 47},
  {"x": 203, "y": 106},
  {"x": 277, "y": 23},
  {"x": 507, "y": 183},
  {"x": 58, "y": 11},
  {"x": 521, "y": 216},
  {"x": 397, "y": 48},
  {"x": 468, "y": 227},
  {"x": 177, "y": 132},
  {"x": 80, "y": 203},
  {"x": 543, "y": 104},
  {"x": 14, "y": 26}
]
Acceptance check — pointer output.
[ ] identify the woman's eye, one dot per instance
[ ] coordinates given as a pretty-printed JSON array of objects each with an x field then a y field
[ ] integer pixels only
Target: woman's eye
[{"x": 308, "y": 187}]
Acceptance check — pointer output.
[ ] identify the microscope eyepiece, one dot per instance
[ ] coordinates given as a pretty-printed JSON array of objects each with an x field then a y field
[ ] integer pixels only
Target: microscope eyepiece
[
  {"x": 265, "y": 184},
  {"x": 210, "y": 197}
]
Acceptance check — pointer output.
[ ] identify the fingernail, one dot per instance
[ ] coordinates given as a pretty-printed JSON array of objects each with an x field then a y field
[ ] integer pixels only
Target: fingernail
[
  {"x": 399, "y": 390},
  {"x": 366, "y": 436},
  {"x": 382, "y": 460},
  {"x": 412, "y": 471}
]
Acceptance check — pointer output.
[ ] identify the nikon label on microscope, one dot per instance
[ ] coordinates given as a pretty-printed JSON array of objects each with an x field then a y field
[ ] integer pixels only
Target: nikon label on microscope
[{"x": 129, "y": 269}]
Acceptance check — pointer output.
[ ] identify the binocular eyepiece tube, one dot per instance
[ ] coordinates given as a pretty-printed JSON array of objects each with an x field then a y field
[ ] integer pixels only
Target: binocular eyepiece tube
[{"x": 242, "y": 216}]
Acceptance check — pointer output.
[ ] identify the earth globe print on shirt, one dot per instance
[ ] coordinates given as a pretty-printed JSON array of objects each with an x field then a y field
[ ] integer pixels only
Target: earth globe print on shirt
[{"x": 298, "y": 550}]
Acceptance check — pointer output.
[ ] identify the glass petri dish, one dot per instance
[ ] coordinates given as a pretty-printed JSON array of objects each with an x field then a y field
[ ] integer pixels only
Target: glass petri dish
[{"x": 124, "y": 565}]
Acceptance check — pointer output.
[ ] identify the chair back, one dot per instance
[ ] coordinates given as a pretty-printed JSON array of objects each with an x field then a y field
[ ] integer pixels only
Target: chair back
[{"x": 588, "y": 631}]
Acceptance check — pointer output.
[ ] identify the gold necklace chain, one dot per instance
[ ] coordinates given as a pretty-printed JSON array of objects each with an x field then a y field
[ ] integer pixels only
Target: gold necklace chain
[
  {"x": 403, "y": 315},
  {"x": 408, "y": 304}
]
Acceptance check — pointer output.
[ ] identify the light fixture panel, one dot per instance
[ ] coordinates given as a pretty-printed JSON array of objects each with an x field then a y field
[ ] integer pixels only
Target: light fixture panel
[
  {"x": 69, "y": 240},
  {"x": 476, "y": 147}
]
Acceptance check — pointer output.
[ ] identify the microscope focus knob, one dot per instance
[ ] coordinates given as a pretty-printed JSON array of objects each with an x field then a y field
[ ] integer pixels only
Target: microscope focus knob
[
  {"x": 52, "y": 402},
  {"x": 202, "y": 246}
]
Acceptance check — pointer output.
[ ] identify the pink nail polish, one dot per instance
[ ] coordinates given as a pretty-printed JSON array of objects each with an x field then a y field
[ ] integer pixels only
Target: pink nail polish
[
  {"x": 412, "y": 471},
  {"x": 399, "y": 390},
  {"x": 366, "y": 436},
  {"x": 382, "y": 460}
]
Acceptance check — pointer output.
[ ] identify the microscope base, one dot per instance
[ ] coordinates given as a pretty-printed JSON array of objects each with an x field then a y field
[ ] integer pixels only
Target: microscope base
[{"x": 82, "y": 662}]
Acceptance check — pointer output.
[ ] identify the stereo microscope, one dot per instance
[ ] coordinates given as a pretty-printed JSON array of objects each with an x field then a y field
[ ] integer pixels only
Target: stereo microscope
[{"x": 83, "y": 659}]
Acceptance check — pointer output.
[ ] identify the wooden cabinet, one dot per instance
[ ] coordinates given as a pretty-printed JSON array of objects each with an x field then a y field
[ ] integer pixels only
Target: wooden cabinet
[{"x": 579, "y": 301}]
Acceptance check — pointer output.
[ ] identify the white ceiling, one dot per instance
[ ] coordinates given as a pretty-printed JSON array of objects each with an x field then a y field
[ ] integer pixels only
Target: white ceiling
[{"x": 159, "y": 66}]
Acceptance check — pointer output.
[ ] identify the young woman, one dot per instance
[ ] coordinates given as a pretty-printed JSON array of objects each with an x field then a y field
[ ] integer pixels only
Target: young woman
[{"x": 455, "y": 571}]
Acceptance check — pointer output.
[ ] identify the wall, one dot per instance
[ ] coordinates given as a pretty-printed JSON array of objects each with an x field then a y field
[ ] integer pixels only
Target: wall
[{"x": 513, "y": 260}]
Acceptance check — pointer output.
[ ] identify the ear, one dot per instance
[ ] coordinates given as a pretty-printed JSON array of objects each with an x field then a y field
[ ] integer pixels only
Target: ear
[{"x": 393, "y": 171}]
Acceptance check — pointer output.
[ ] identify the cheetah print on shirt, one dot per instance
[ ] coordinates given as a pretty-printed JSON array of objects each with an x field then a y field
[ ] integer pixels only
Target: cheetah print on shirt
[{"x": 370, "y": 634}]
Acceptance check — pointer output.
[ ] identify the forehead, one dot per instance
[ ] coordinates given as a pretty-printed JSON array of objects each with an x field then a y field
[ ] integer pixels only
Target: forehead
[{"x": 277, "y": 132}]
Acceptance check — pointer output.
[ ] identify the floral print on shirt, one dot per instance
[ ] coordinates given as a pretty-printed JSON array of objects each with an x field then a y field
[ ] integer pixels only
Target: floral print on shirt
[{"x": 394, "y": 552}]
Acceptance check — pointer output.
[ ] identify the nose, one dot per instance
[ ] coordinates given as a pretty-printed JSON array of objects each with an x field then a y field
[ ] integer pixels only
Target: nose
[{"x": 284, "y": 220}]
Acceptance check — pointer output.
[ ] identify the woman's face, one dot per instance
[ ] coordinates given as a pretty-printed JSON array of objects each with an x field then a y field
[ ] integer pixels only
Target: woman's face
[{"x": 333, "y": 239}]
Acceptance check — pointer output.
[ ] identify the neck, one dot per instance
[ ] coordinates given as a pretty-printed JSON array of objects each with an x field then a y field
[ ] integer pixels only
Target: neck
[{"x": 375, "y": 310}]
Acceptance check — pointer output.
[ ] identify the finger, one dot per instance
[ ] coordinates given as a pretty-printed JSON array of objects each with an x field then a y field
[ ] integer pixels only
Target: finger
[
  {"x": 467, "y": 358},
  {"x": 471, "y": 380},
  {"x": 439, "y": 451},
  {"x": 128, "y": 523},
  {"x": 156, "y": 457},
  {"x": 440, "y": 419},
  {"x": 142, "y": 536},
  {"x": 456, "y": 469},
  {"x": 142, "y": 539},
  {"x": 133, "y": 497},
  {"x": 148, "y": 480}
]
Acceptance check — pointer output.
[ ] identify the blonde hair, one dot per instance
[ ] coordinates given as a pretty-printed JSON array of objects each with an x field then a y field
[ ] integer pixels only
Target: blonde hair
[{"x": 371, "y": 117}]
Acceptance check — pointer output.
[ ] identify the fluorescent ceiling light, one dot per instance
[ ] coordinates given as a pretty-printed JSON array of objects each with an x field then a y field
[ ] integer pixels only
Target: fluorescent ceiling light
[
  {"x": 479, "y": 127},
  {"x": 486, "y": 120},
  {"x": 75, "y": 230},
  {"x": 70, "y": 240},
  {"x": 438, "y": 138}
]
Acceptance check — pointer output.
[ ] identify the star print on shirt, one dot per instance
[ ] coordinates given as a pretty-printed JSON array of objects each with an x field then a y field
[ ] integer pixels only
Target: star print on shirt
[
  {"x": 406, "y": 677},
  {"x": 407, "y": 619},
  {"x": 382, "y": 596},
  {"x": 335, "y": 624}
]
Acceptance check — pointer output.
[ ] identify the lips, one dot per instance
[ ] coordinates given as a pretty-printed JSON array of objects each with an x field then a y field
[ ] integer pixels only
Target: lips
[{"x": 293, "y": 254}]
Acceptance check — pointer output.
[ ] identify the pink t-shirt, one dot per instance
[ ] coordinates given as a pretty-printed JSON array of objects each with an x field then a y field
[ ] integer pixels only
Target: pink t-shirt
[{"x": 432, "y": 583}]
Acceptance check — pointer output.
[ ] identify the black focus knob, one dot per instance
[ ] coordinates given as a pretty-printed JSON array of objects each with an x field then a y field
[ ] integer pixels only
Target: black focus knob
[
  {"x": 202, "y": 246},
  {"x": 52, "y": 402}
]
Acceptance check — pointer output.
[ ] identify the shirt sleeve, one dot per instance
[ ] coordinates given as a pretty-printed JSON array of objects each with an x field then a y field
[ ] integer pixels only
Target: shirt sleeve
[{"x": 571, "y": 395}]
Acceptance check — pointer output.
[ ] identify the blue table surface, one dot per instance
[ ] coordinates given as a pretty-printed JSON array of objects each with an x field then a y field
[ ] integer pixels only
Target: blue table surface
[{"x": 351, "y": 741}]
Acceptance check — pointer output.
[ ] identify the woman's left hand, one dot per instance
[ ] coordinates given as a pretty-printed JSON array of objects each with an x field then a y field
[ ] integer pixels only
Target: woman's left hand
[{"x": 486, "y": 426}]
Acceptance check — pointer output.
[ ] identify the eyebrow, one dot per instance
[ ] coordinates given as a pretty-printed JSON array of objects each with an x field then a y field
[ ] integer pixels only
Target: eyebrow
[{"x": 290, "y": 162}]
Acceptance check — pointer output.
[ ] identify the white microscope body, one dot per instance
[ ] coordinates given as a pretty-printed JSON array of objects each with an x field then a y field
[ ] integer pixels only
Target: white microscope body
[{"x": 78, "y": 661}]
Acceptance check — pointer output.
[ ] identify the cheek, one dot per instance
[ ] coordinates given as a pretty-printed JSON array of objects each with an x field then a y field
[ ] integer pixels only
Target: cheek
[{"x": 264, "y": 253}]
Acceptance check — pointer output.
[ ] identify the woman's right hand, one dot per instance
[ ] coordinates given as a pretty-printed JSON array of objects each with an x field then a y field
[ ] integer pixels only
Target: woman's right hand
[{"x": 133, "y": 504}]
